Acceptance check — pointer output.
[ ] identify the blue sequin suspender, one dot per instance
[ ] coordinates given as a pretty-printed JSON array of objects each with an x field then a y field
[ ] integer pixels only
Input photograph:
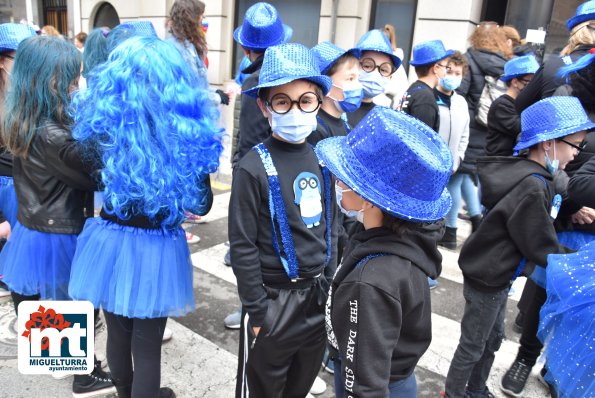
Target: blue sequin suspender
[{"x": 277, "y": 210}]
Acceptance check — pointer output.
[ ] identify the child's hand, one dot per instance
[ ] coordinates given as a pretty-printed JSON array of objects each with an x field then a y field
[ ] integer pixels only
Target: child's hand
[
  {"x": 5, "y": 230},
  {"x": 585, "y": 215},
  {"x": 256, "y": 330}
]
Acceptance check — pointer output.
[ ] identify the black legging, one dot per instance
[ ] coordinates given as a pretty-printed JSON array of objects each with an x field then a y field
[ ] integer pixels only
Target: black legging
[
  {"x": 19, "y": 298},
  {"x": 140, "y": 340}
]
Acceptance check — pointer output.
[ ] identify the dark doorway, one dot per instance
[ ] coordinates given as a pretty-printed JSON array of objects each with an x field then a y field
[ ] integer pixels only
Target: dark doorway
[{"x": 106, "y": 15}]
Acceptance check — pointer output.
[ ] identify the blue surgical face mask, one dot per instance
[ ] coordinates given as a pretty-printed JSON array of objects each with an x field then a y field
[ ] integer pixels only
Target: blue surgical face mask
[
  {"x": 450, "y": 82},
  {"x": 352, "y": 97},
  {"x": 552, "y": 165},
  {"x": 358, "y": 214},
  {"x": 373, "y": 83},
  {"x": 293, "y": 126}
]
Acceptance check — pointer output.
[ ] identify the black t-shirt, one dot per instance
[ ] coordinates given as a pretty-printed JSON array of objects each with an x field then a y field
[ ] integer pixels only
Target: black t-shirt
[
  {"x": 420, "y": 101},
  {"x": 356, "y": 116},
  {"x": 328, "y": 126}
]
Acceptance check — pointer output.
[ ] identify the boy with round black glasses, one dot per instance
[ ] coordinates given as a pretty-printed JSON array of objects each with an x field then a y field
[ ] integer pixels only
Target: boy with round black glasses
[{"x": 283, "y": 232}]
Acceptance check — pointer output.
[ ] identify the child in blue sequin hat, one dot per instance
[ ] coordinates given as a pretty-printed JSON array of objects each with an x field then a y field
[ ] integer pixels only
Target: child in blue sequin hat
[
  {"x": 282, "y": 232},
  {"x": 515, "y": 237},
  {"x": 391, "y": 173},
  {"x": 378, "y": 64}
]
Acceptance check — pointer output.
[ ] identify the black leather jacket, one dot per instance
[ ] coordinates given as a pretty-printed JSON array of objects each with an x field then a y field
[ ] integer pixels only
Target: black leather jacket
[{"x": 52, "y": 196}]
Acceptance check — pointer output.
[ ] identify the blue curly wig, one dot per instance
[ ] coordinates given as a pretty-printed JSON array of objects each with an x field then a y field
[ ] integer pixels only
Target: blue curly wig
[
  {"x": 154, "y": 129},
  {"x": 96, "y": 50},
  {"x": 46, "y": 70}
]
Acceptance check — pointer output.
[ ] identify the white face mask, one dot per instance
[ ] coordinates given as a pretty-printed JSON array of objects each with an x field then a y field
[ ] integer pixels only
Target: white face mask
[
  {"x": 293, "y": 126},
  {"x": 358, "y": 214},
  {"x": 373, "y": 83}
]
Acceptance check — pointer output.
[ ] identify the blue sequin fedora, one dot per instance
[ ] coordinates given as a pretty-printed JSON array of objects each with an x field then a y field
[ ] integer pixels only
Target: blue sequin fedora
[
  {"x": 519, "y": 66},
  {"x": 11, "y": 34},
  {"x": 288, "y": 62},
  {"x": 552, "y": 118},
  {"x": 140, "y": 28},
  {"x": 375, "y": 40},
  {"x": 429, "y": 52},
  {"x": 327, "y": 54},
  {"x": 395, "y": 162},
  {"x": 262, "y": 28},
  {"x": 585, "y": 12}
]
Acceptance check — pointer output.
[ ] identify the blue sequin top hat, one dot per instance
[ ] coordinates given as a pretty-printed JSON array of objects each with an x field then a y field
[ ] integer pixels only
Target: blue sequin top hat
[
  {"x": 288, "y": 62},
  {"x": 11, "y": 34},
  {"x": 519, "y": 66},
  {"x": 262, "y": 28},
  {"x": 585, "y": 12},
  {"x": 327, "y": 54},
  {"x": 552, "y": 118},
  {"x": 140, "y": 28},
  {"x": 395, "y": 162},
  {"x": 429, "y": 52},
  {"x": 375, "y": 40}
]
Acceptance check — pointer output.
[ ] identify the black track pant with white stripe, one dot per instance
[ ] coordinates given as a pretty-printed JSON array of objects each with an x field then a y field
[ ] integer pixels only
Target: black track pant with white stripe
[{"x": 283, "y": 361}]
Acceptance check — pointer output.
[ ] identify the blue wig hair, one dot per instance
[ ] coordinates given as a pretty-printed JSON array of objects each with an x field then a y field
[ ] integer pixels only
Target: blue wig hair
[
  {"x": 154, "y": 129},
  {"x": 46, "y": 70},
  {"x": 580, "y": 75},
  {"x": 96, "y": 50}
]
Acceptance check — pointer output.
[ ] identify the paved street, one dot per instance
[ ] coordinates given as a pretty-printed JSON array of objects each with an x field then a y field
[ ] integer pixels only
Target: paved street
[{"x": 200, "y": 360}]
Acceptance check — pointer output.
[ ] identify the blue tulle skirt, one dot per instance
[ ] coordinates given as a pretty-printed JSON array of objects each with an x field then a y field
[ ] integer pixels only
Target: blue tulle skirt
[
  {"x": 8, "y": 200},
  {"x": 567, "y": 325},
  {"x": 35, "y": 262},
  {"x": 133, "y": 272}
]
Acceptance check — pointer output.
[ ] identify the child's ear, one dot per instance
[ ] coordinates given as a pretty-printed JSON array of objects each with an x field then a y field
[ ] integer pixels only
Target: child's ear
[{"x": 263, "y": 108}]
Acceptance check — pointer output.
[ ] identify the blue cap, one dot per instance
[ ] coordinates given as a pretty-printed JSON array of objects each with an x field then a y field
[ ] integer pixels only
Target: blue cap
[
  {"x": 395, "y": 162},
  {"x": 585, "y": 12},
  {"x": 262, "y": 28},
  {"x": 287, "y": 62},
  {"x": 11, "y": 34},
  {"x": 519, "y": 66},
  {"x": 552, "y": 118},
  {"x": 429, "y": 52},
  {"x": 375, "y": 40},
  {"x": 327, "y": 54}
]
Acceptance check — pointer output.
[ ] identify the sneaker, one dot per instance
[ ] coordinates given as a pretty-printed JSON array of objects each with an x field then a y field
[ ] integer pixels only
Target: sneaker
[
  {"x": 166, "y": 392},
  {"x": 95, "y": 384},
  {"x": 432, "y": 283},
  {"x": 486, "y": 393},
  {"x": 194, "y": 219},
  {"x": 227, "y": 258},
  {"x": 167, "y": 334},
  {"x": 191, "y": 238},
  {"x": 514, "y": 380},
  {"x": 233, "y": 321},
  {"x": 318, "y": 387},
  {"x": 327, "y": 363}
]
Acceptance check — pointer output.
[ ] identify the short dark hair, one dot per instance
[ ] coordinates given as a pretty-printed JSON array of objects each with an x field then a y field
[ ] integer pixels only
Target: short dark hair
[
  {"x": 458, "y": 59},
  {"x": 397, "y": 225},
  {"x": 343, "y": 59},
  {"x": 424, "y": 70},
  {"x": 81, "y": 37}
]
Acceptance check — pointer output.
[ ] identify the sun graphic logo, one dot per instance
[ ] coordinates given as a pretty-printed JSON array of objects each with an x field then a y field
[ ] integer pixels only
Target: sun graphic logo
[{"x": 56, "y": 337}]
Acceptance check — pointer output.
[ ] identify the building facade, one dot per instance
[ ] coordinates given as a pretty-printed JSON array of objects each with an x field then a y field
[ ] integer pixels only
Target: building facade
[{"x": 340, "y": 21}]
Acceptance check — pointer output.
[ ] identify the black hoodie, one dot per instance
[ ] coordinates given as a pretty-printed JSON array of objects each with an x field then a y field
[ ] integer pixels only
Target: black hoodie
[
  {"x": 381, "y": 311},
  {"x": 518, "y": 223}
]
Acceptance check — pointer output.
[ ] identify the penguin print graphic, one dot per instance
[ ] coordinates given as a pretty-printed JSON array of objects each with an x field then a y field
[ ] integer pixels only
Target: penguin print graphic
[{"x": 307, "y": 191}]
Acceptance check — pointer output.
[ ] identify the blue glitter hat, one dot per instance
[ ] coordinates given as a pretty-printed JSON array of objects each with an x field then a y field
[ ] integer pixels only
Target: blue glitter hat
[
  {"x": 552, "y": 118},
  {"x": 11, "y": 34},
  {"x": 519, "y": 66},
  {"x": 288, "y": 62},
  {"x": 395, "y": 162},
  {"x": 140, "y": 28},
  {"x": 327, "y": 54},
  {"x": 585, "y": 12},
  {"x": 262, "y": 28},
  {"x": 375, "y": 40},
  {"x": 429, "y": 52}
]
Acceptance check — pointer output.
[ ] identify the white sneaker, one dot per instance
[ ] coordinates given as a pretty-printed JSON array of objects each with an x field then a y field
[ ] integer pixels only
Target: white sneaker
[
  {"x": 167, "y": 334},
  {"x": 318, "y": 387}
]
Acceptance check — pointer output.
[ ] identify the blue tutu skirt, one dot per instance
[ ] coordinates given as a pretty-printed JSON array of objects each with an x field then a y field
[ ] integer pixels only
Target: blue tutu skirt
[
  {"x": 567, "y": 326},
  {"x": 8, "y": 200},
  {"x": 34, "y": 262},
  {"x": 133, "y": 272}
]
